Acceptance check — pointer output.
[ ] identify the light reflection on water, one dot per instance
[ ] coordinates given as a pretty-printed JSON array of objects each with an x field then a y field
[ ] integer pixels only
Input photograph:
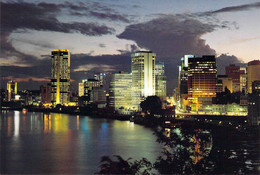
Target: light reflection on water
[{"x": 60, "y": 143}]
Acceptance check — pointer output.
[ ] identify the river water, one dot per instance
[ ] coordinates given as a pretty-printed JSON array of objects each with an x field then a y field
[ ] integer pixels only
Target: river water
[
  {"x": 37, "y": 143},
  {"x": 59, "y": 143}
]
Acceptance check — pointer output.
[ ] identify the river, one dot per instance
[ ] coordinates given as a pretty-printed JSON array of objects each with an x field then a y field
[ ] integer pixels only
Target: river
[
  {"x": 59, "y": 143},
  {"x": 37, "y": 143}
]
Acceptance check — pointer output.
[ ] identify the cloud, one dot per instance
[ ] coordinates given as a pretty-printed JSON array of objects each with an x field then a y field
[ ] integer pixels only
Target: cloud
[
  {"x": 18, "y": 17},
  {"x": 39, "y": 17},
  {"x": 225, "y": 60},
  {"x": 102, "y": 45},
  {"x": 95, "y": 67},
  {"x": 110, "y": 16},
  {"x": 237, "y": 8},
  {"x": 170, "y": 35}
]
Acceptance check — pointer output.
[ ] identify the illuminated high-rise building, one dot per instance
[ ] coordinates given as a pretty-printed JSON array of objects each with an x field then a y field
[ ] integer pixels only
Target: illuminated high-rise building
[
  {"x": 120, "y": 91},
  {"x": 11, "y": 90},
  {"x": 182, "y": 90},
  {"x": 143, "y": 76},
  {"x": 60, "y": 77},
  {"x": 100, "y": 77},
  {"x": 160, "y": 79},
  {"x": 253, "y": 73},
  {"x": 89, "y": 84},
  {"x": 202, "y": 78},
  {"x": 243, "y": 79},
  {"x": 233, "y": 71},
  {"x": 81, "y": 89},
  {"x": 254, "y": 104}
]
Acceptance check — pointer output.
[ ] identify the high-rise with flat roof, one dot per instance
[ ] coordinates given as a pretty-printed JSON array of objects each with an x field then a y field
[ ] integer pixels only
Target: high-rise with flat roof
[
  {"x": 143, "y": 76},
  {"x": 233, "y": 72},
  {"x": 254, "y": 104},
  {"x": 120, "y": 91},
  {"x": 11, "y": 90},
  {"x": 60, "y": 76},
  {"x": 160, "y": 79},
  {"x": 202, "y": 78},
  {"x": 253, "y": 74}
]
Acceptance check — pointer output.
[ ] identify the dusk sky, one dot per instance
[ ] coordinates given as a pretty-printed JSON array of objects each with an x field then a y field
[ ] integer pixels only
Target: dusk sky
[{"x": 101, "y": 35}]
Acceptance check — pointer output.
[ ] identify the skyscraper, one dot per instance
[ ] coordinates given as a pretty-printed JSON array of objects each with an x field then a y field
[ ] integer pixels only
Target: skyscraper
[
  {"x": 81, "y": 89},
  {"x": 253, "y": 73},
  {"x": 120, "y": 91},
  {"x": 202, "y": 76},
  {"x": 45, "y": 93},
  {"x": 254, "y": 104},
  {"x": 233, "y": 71},
  {"x": 143, "y": 76},
  {"x": 11, "y": 89},
  {"x": 60, "y": 77},
  {"x": 182, "y": 90},
  {"x": 160, "y": 79},
  {"x": 243, "y": 79},
  {"x": 100, "y": 77}
]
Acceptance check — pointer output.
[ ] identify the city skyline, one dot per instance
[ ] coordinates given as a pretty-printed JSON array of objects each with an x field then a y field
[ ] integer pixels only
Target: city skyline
[{"x": 102, "y": 38}]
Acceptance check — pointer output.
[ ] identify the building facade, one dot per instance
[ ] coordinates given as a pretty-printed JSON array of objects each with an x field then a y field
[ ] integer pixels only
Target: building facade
[
  {"x": 226, "y": 83},
  {"x": 202, "y": 77},
  {"x": 120, "y": 91},
  {"x": 60, "y": 77},
  {"x": 253, "y": 74},
  {"x": 182, "y": 90},
  {"x": 160, "y": 79},
  {"x": 143, "y": 77},
  {"x": 11, "y": 90},
  {"x": 254, "y": 104},
  {"x": 81, "y": 89},
  {"x": 233, "y": 72},
  {"x": 45, "y": 92}
]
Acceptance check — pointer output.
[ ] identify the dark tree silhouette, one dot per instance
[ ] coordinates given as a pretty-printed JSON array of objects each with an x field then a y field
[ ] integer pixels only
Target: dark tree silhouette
[
  {"x": 152, "y": 105},
  {"x": 121, "y": 166}
]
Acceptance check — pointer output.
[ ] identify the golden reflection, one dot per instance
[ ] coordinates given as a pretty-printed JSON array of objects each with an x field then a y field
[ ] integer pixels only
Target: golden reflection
[
  {"x": 60, "y": 122},
  {"x": 47, "y": 123},
  {"x": 77, "y": 122}
]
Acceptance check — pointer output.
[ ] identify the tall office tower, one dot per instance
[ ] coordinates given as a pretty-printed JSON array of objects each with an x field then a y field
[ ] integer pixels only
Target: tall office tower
[
  {"x": 243, "y": 79},
  {"x": 226, "y": 82},
  {"x": 254, "y": 104},
  {"x": 143, "y": 77},
  {"x": 253, "y": 73},
  {"x": 11, "y": 90},
  {"x": 98, "y": 95},
  {"x": 100, "y": 77},
  {"x": 89, "y": 84},
  {"x": 45, "y": 91},
  {"x": 233, "y": 71},
  {"x": 182, "y": 90},
  {"x": 202, "y": 80},
  {"x": 160, "y": 79},
  {"x": 60, "y": 77},
  {"x": 120, "y": 91},
  {"x": 81, "y": 89}
]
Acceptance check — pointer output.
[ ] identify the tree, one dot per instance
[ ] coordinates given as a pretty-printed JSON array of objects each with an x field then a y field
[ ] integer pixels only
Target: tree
[
  {"x": 121, "y": 166},
  {"x": 152, "y": 105}
]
